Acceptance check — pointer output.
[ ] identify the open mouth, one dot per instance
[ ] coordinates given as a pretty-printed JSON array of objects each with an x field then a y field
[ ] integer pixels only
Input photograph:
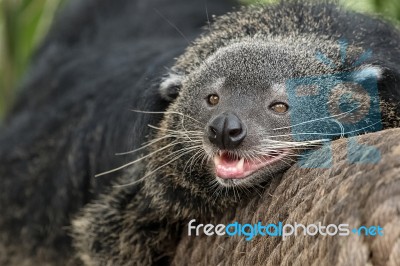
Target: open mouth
[{"x": 228, "y": 166}]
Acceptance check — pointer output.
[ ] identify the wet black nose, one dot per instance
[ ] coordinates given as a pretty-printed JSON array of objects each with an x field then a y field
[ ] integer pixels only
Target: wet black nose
[{"x": 226, "y": 131}]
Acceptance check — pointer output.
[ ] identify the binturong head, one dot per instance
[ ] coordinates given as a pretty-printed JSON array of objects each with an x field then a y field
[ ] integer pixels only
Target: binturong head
[
  {"x": 248, "y": 98},
  {"x": 246, "y": 109}
]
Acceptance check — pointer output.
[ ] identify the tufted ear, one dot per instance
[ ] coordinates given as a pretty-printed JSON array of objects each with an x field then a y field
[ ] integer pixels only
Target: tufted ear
[
  {"x": 387, "y": 76},
  {"x": 367, "y": 72},
  {"x": 171, "y": 85}
]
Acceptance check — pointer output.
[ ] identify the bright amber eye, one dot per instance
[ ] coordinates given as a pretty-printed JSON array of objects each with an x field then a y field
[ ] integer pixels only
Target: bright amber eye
[
  {"x": 279, "y": 108},
  {"x": 213, "y": 99}
]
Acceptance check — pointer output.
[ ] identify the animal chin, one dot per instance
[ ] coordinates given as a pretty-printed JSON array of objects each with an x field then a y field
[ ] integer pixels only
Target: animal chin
[{"x": 231, "y": 167}]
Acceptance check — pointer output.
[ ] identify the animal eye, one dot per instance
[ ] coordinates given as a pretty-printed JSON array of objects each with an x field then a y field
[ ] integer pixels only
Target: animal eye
[
  {"x": 213, "y": 99},
  {"x": 279, "y": 107}
]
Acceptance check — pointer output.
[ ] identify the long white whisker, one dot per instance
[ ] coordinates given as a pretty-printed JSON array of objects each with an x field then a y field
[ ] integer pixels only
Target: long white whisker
[
  {"x": 167, "y": 112},
  {"x": 152, "y": 172},
  {"x": 145, "y": 145},
  {"x": 176, "y": 131},
  {"x": 318, "y": 119},
  {"x": 137, "y": 160}
]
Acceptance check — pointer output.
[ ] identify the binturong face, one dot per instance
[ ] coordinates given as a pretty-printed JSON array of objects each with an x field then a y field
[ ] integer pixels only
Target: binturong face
[{"x": 249, "y": 109}]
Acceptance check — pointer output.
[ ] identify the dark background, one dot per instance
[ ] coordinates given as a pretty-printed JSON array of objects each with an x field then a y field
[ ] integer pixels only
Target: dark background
[{"x": 23, "y": 24}]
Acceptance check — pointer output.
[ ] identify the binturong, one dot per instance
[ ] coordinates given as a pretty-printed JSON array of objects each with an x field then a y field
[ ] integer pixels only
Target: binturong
[{"x": 259, "y": 87}]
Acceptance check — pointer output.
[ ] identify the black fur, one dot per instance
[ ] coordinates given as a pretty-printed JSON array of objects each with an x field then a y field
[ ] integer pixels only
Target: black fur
[{"x": 101, "y": 59}]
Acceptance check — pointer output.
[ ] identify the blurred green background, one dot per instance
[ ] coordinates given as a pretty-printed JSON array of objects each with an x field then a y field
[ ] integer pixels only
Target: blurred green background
[{"x": 23, "y": 23}]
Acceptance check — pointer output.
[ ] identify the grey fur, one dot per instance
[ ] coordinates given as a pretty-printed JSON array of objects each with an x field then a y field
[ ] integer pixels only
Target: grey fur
[{"x": 246, "y": 58}]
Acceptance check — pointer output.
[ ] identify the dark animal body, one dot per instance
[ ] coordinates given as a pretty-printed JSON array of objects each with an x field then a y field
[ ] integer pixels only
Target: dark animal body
[
  {"x": 100, "y": 60},
  {"x": 73, "y": 116}
]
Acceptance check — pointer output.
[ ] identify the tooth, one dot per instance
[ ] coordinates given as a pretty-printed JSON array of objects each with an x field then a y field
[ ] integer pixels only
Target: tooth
[
  {"x": 220, "y": 153},
  {"x": 240, "y": 164},
  {"x": 217, "y": 160}
]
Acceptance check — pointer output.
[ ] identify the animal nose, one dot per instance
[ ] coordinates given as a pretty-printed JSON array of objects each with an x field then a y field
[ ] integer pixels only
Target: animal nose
[{"x": 226, "y": 131}]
